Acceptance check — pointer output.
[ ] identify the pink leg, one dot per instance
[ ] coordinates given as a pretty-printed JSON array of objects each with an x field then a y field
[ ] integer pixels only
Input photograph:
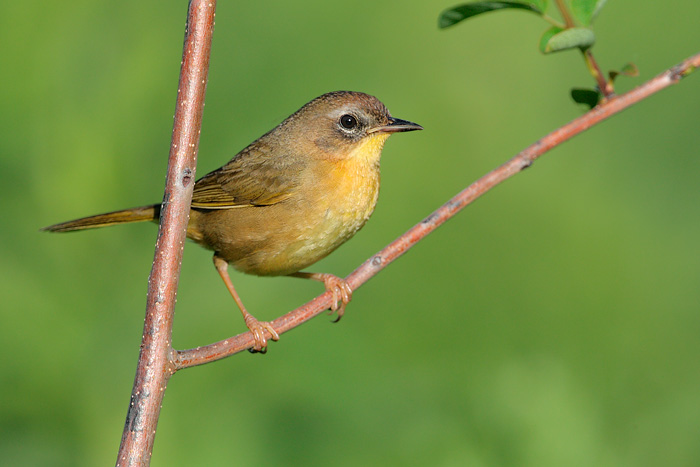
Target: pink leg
[
  {"x": 337, "y": 286},
  {"x": 258, "y": 328}
]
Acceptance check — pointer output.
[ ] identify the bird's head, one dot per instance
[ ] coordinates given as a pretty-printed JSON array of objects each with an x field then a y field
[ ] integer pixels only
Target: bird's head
[{"x": 343, "y": 125}]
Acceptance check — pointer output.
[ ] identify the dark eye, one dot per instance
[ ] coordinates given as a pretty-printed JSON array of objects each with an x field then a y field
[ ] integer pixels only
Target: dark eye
[{"x": 348, "y": 122}]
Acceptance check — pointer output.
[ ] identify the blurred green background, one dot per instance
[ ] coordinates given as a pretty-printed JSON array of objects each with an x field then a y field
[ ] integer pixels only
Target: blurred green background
[{"x": 554, "y": 322}]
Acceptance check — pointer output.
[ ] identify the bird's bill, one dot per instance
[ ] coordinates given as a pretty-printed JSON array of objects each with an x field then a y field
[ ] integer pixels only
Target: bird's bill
[{"x": 396, "y": 125}]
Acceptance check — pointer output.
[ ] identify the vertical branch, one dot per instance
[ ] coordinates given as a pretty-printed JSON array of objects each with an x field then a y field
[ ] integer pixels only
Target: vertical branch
[{"x": 155, "y": 358}]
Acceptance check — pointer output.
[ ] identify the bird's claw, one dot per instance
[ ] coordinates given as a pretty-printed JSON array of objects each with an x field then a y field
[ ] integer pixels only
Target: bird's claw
[
  {"x": 342, "y": 294},
  {"x": 258, "y": 329}
]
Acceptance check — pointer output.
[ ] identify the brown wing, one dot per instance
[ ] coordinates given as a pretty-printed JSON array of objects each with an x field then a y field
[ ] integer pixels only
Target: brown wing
[{"x": 252, "y": 178}]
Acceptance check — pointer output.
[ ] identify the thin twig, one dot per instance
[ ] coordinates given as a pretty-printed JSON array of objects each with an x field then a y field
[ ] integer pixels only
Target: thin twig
[
  {"x": 566, "y": 16},
  {"x": 155, "y": 358},
  {"x": 225, "y": 348},
  {"x": 604, "y": 85}
]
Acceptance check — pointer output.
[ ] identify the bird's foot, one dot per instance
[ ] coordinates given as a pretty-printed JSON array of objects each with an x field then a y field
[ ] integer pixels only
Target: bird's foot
[
  {"x": 341, "y": 290},
  {"x": 258, "y": 329},
  {"x": 342, "y": 293}
]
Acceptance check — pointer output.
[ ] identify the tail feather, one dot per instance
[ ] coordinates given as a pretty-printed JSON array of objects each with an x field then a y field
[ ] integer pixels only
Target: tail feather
[{"x": 125, "y": 216}]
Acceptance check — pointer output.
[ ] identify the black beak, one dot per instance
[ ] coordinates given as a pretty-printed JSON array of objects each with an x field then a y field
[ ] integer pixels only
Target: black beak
[{"x": 396, "y": 125}]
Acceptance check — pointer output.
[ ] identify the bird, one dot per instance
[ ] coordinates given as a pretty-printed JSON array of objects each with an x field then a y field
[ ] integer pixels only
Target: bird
[{"x": 288, "y": 199}]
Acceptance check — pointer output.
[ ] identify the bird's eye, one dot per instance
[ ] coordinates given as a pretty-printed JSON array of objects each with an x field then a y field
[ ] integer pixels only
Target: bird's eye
[{"x": 348, "y": 122}]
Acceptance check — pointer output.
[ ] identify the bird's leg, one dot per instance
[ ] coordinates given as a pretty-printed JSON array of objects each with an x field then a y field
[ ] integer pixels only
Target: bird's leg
[
  {"x": 258, "y": 328},
  {"x": 337, "y": 286}
]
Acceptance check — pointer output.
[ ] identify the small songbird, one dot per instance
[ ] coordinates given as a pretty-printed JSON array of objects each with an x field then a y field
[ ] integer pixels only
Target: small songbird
[{"x": 287, "y": 200}]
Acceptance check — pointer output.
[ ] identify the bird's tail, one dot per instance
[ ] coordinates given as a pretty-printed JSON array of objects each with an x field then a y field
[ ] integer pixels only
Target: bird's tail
[{"x": 125, "y": 216}]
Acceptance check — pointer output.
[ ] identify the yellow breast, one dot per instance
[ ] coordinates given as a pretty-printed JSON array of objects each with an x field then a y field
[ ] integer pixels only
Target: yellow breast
[
  {"x": 346, "y": 197},
  {"x": 354, "y": 184}
]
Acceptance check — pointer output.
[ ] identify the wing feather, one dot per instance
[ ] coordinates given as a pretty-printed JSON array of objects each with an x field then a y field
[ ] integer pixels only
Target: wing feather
[{"x": 252, "y": 178}]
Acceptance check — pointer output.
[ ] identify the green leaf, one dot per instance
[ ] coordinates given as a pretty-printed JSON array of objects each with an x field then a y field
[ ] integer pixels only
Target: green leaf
[
  {"x": 540, "y": 4},
  {"x": 585, "y": 11},
  {"x": 588, "y": 97},
  {"x": 553, "y": 41},
  {"x": 628, "y": 70},
  {"x": 548, "y": 34},
  {"x": 454, "y": 15},
  {"x": 598, "y": 6}
]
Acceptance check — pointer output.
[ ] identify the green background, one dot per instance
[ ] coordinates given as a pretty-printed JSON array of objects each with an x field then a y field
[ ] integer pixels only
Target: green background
[{"x": 554, "y": 322}]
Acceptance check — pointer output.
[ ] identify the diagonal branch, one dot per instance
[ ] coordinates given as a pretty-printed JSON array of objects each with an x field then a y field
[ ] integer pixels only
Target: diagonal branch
[
  {"x": 225, "y": 348},
  {"x": 155, "y": 358}
]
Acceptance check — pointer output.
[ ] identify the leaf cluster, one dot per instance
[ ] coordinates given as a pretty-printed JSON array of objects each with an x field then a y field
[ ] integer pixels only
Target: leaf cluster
[{"x": 572, "y": 31}]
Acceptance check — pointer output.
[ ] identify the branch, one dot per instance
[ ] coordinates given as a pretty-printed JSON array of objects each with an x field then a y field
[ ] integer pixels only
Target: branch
[
  {"x": 566, "y": 16},
  {"x": 604, "y": 85},
  {"x": 225, "y": 348},
  {"x": 155, "y": 361}
]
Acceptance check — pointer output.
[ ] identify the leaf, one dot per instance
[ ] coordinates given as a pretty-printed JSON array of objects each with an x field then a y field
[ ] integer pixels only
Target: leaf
[
  {"x": 548, "y": 34},
  {"x": 598, "y": 7},
  {"x": 540, "y": 4},
  {"x": 585, "y": 11},
  {"x": 454, "y": 15},
  {"x": 556, "y": 41},
  {"x": 588, "y": 97},
  {"x": 629, "y": 69}
]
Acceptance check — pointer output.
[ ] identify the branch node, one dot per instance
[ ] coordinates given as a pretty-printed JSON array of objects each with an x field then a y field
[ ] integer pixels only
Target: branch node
[
  {"x": 429, "y": 219},
  {"x": 186, "y": 176},
  {"x": 680, "y": 71}
]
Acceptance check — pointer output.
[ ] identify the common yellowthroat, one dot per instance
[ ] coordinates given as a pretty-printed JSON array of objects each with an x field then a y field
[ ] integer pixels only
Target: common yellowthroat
[{"x": 289, "y": 199}]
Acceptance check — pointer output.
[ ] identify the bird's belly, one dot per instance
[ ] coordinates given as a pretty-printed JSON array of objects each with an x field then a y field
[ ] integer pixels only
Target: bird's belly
[
  {"x": 333, "y": 229},
  {"x": 334, "y": 222},
  {"x": 289, "y": 236}
]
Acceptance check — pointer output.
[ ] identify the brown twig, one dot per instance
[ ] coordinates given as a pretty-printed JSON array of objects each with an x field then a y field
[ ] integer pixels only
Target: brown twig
[
  {"x": 225, "y": 348},
  {"x": 566, "y": 16},
  {"x": 155, "y": 358},
  {"x": 605, "y": 86}
]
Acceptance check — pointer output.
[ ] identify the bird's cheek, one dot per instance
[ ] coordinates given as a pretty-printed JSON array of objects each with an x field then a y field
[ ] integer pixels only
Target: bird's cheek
[{"x": 326, "y": 144}]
